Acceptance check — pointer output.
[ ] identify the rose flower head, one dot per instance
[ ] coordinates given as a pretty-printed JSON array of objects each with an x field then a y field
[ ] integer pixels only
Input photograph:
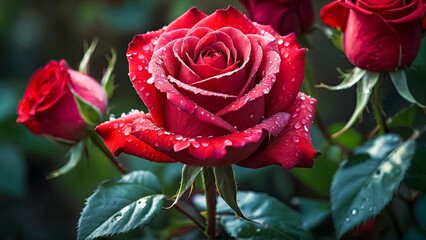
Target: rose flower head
[
  {"x": 378, "y": 36},
  {"x": 220, "y": 90},
  {"x": 49, "y": 104},
  {"x": 285, "y": 16}
]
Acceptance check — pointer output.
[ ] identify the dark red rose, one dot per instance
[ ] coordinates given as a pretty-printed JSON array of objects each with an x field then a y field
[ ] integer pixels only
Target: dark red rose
[
  {"x": 378, "y": 35},
  {"x": 220, "y": 90},
  {"x": 285, "y": 16},
  {"x": 49, "y": 107}
]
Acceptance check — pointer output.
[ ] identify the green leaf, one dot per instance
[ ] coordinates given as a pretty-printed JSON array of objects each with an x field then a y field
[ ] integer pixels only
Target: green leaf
[
  {"x": 363, "y": 92},
  {"x": 189, "y": 173},
  {"x": 227, "y": 187},
  {"x": 270, "y": 219},
  {"x": 312, "y": 211},
  {"x": 349, "y": 79},
  {"x": 360, "y": 191},
  {"x": 403, "y": 118},
  {"x": 399, "y": 80},
  {"x": 108, "y": 78},
  {"x": 120, "y": 205},
  {"x": 90, "y": 114},
  {"x": 416, "y": 174},
  {"x": 12, "y": 171},
  {"x": 88, "y": 51},
  {"x": 75, "y": 155}
]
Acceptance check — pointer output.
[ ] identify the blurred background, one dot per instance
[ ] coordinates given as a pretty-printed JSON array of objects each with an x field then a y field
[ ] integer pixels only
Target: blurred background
[{"x": 35, "y": 31}]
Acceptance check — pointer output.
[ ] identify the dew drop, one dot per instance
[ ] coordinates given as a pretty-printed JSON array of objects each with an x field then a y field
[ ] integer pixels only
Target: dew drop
[
  {"x": 146, "y": 47},
  {"x": 347, "y": 219},
  {"x": 252, "y": 115},
  {"x": 140, "y": 67},
  {"x": 354, "y": 212},
  {"x": 205, "y": 144},
  {"x": 297, "y": 125},
  {"x": 286, "y": 44},
  {"x": 115, "y": 125},
  {"x": 280, "y": 41},
  {"x": 286, "y": 55},
  {"x": 179, "y": 137},
  {"x": 140, "y": 56},
  {"x": 196, "y": 144},
  {"x": 227, "y": 142},
  {"x": 117, "y": 217},
  {"x": 295, "y": 139},
  {"x": 306, "y": 128}
]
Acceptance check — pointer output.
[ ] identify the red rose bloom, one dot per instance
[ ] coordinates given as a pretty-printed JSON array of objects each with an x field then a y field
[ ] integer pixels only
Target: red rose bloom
[
  {"x": 378, "y": 35},
  {"x": 220, "y": 90},
  {"x": 285, "y": 16},
  {"x": 49, "y": 107}
]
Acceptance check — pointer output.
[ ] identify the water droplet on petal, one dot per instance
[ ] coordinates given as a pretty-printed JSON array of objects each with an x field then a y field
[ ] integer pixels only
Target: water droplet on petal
[
  {"x": 297, "y": 125},
  {"x": 280, "y": 41},
  {"x": 286, "y": 44},
  {"x": 295, "y": 139},
  {"x": 196, "y": 144},
  {"x": 146, "y": 47},
  {"x": 228, "y": 142}
]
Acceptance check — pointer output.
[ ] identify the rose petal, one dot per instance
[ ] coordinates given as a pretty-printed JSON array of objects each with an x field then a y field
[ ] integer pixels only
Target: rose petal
[
  {"x": 139, "y": 54},
  {"x": 117, "y": 137},
  {"x": 215, "y": 151},
  {"x": 334, "y": 15},
  {"x": 292, "y": 147},
  {"x": 289, "y": 78},
  {"x": 424, "y": 23},
  {"x": 179, "y": 101},
  {"x": 229, "y": 17},
  {"x": 187, "y": 20},
  {"x": 200, "y": 32},
  {"x": 362, "y": 49},
  {"x": 230, "y": 82},
  {"x": 88, "y": 89},
  {"x": 270, "y": 66}
]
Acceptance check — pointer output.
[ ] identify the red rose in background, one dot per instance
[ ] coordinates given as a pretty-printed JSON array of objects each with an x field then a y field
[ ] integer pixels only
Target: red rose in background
[
  {"x": 49, "y": 107},
  {"x": 285, "y": 16},
  {"x": 378, "y": 35},
  {"x": 220, "y": 90}
]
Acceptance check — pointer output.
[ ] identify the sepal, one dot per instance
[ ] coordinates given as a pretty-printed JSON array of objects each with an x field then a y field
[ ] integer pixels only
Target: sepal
[
  {"x": 75, "y": 154},
  {"x": 363, "y": 92},
  {"x": 399, "y": 80},
  {"x": 108, "y": 78},
  {"x": 88, "y": 51}
]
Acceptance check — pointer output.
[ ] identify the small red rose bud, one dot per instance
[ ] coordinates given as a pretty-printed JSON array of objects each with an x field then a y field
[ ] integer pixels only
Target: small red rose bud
[{"x": 49, "y": 104}]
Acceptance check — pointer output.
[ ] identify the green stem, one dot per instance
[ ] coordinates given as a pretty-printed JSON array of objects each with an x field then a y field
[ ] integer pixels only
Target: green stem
[
  {"x": 376, "y": 102},
  {"x": 210, "y": 191},
  {"x": 101, "y": 145}
]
